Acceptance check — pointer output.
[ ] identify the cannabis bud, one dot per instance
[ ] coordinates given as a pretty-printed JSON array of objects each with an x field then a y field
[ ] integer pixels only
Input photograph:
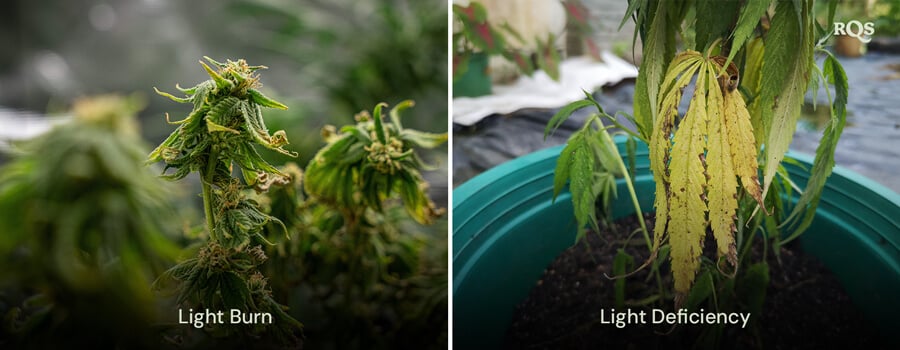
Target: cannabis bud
[{"x": 226, "y": 121}]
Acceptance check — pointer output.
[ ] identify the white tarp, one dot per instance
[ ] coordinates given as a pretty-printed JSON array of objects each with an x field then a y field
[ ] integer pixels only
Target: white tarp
[{"x": 539, "y": 91}]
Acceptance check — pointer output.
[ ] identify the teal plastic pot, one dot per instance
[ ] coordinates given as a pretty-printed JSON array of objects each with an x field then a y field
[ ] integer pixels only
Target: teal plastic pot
[
  {"x": 475, "y": 81},
  {"x": 507, "y": 229}
]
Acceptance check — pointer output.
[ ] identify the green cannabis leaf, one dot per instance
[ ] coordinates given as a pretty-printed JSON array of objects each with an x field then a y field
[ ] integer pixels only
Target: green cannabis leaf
[
  {"x": 591, "y": 163},
  {"x": 824, "y": 161},
  {"x": 579, "y": 165},
  {"x": 747, "y": 21},
  {"x": 659, "y": 47},
  {"x": 784, "y": 78}
]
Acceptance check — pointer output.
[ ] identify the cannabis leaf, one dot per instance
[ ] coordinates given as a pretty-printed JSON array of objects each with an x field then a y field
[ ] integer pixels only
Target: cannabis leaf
[
  {"x": 824, "y": 161},
  {"x": 784, "y": 79},
  {"x": 654, "y": 63},
  {"x": 578, "y": 165},
  {"x": 677, "y": 77},
  {"x": 697, "y": 170},
  {"x": 590, "y": 162},
  {"x": 747, "y": 21},
  {"x": 749, "y": 85},
  {"x": 686, "y": 196}
]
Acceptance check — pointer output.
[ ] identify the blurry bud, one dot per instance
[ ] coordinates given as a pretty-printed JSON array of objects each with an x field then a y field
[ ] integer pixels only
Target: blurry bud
[
  {"x": 363, "y": 116},
  {"x": 328, "y": 131},
  {"x": 117, "y": 113}
]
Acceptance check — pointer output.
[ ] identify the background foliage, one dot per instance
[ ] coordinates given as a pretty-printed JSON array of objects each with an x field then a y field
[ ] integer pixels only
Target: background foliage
[{"x": 82, "y": 236}]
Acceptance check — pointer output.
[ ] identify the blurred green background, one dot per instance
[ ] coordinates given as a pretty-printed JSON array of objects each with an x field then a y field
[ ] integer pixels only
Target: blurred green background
[{"x": 327, "y": 59}]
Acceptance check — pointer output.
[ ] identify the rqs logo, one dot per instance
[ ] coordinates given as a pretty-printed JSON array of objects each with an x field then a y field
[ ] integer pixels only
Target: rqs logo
[{"x": 856, "y": 29}]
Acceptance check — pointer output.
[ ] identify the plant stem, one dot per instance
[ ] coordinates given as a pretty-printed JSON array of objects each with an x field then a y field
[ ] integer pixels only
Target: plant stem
[
  {"x": 637, "y": 206},
  {"x": 615, "y": 122},
  {"x": 206, "y": 179},
  {"x": 352, "y": 229}
]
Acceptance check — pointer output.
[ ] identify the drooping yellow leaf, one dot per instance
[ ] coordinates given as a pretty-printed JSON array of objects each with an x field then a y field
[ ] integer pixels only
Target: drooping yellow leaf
[
  {"x": 697, "y": 171},
  {"x": 679, "y": 75},
  {"x": 722, "y": 180},
  {"x": 687, "y": 175},
  {"x": 743, "y": 146},
  {"x": 661, "y": 204}
]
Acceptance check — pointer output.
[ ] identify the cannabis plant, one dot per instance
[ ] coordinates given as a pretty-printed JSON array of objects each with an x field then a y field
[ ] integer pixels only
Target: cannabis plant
[
  {"x": 365, "y": 163},
  {"x": 717, "y": 167},
  {"x": 83, "y": 234},
  {"x": 357, "y": 259},
  {"x": 221, "y": 131}
]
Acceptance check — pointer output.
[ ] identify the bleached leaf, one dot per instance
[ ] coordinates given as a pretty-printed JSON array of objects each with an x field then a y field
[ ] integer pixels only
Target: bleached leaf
[
  {"x": 722, "y": 179},
  {"x": 678, "y": 76},
  {"x": 687, "y": 205},
  {"x": 743, "y": 146}
]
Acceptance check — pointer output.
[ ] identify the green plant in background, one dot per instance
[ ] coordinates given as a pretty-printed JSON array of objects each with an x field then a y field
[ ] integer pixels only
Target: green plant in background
[
  {"x": 477, "y": 35},
  {"x": 358, "y": 260},
  {"x": 849, "y": 10},
  {"x": 749, "y": 85},
  {"x": 344, "y": 72},
  {"x": 887, "y": 17},
  {"x": 579, "y": 25},
  {"x": 414, "y": 30},
  {"x": 225, "y": 124},
  {"x": 81, "y": 236}
]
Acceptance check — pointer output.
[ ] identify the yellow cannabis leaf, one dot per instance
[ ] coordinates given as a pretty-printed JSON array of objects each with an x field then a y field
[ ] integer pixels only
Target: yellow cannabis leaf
[
  {"x": 743, "y": 146},
  {"x": 697, "y": 170},
  {"x": 679, "y": 75},
  {"x": 687, "y": 201},
  {"x": 722, "y": 178}
]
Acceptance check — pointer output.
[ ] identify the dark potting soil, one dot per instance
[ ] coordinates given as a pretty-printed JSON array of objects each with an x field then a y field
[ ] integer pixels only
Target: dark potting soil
[{"x": 805, "y": 306}]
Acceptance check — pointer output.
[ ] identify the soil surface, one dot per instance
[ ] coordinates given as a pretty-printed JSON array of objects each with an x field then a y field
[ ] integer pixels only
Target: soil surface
[{"x": 805, "y": 306}]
